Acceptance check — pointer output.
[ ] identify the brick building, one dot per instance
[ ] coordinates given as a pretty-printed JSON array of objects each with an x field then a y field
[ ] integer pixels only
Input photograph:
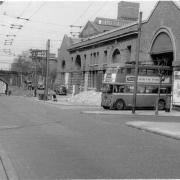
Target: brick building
[{"x": 87, "y": 60}]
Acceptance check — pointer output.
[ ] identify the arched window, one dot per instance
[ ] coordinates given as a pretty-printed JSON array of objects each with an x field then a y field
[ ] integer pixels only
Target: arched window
[
  {"x": 116, "y": 56},
  {"x": 3, "y": 86},
  {"x": 162, "y": 50},
  {"x": 162, "y": 44},
  {"x": 63, "y": 64},
  {"x": 78, "y": 62}
]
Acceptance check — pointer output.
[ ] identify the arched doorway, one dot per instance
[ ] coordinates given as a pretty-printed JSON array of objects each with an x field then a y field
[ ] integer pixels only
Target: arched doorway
[
  {"x": 162, "y": 54},
  {"x": 162, "y": 50},
  {"x": 3, "y": 87},
  {"x": 77, "y": 74}
]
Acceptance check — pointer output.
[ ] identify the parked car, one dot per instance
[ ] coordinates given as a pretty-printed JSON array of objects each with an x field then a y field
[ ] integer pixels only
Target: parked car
[{"x": 61, "y": 91}]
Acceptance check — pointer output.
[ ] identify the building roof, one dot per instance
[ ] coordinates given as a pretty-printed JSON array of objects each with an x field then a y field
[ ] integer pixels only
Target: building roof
[
  {"x": 114, "y": 33},
  {"x": 100, "y": 25},
  {"x": 75, "y": 40},
  {"x": 102, "y": 28},
  {"x": 106, "y": 36}
]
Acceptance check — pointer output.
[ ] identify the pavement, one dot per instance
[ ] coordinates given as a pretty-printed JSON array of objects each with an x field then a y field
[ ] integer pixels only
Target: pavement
[{"x": 168, "y": 129}]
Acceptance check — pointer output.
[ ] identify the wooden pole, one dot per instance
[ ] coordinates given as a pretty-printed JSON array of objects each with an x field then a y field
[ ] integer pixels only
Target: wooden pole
[
  {"x": 47, "y": 71},
  {"x": 35, "y": 78}
]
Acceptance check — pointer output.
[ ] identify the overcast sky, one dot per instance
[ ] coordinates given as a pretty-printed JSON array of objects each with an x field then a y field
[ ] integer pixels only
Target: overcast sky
[{"x": 50, "y": 20}]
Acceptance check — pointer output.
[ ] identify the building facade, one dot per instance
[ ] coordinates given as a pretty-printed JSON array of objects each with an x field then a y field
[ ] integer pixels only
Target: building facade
[
  {"x": 85, "y": 67},
  {"x": 159, "y": 43}
]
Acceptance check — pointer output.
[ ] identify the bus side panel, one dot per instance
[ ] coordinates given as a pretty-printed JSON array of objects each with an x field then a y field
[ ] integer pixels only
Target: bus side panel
[
  {"x": 126, "y": 97},
  {"x": 146, "y": 100}
]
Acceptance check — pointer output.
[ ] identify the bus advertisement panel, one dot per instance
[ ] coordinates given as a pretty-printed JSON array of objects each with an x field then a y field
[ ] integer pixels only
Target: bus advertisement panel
[{"x": 147, "y": 79}]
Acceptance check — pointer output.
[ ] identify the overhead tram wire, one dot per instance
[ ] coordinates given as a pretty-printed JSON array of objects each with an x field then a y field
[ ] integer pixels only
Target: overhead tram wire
[
  {"x": 84, "y": 12},
  {"x": 104, "y": 14},
  {"x": 13, "y": 26},
  {"x": 30, "y": 18},
  {"x": 35, "y": 11},
  {"x": 80, "y": 17},
  {"x": 24, "y": 10},
  {"x": 36, "y": 21},
  {"x": 99, "y": 9}
]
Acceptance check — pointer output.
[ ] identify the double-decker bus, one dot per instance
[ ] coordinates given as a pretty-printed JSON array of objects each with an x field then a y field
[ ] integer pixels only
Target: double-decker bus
[{"x": 118, "y": 86}]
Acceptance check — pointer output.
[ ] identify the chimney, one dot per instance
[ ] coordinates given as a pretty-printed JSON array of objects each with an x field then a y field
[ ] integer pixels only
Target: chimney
[{"x": 128, "y": 11}]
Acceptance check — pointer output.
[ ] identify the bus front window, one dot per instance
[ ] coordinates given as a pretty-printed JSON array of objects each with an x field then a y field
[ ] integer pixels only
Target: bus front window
[
  {"x": 110, "y": 88},
  {"x": 107, "y": 88}
]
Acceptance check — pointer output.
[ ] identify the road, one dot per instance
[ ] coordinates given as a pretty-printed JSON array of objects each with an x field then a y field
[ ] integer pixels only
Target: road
[{"x": 45, "y": 141}]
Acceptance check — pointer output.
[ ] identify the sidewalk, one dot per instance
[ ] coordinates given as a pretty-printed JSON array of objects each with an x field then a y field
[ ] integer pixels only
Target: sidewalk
[
  {"x": 168, "y": 129},
  {"x": 137, "y": 113},
  {"x": 92, "y": 99}
]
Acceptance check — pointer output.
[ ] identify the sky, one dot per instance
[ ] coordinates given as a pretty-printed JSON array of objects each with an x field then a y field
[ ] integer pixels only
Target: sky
[{"x": 49, "y": 20}]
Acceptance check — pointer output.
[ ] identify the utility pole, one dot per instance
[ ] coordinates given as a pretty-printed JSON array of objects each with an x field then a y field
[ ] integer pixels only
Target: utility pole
[
  {"x": 21, "y": 78},
  {"x": 162, "y": 76},
  {"x": 35, "y": 87},
  {"x": 47, "y": 70},
  {"x": 137, "y": 63}
]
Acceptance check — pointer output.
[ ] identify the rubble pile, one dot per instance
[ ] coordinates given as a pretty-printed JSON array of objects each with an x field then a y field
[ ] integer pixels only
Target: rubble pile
[
  {"x": 87, "y": 98},
  {"x": 19, "y": 91}
]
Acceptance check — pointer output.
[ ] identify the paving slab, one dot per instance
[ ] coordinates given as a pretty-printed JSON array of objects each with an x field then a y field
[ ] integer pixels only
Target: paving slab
[{"x": 168, "y": 129}]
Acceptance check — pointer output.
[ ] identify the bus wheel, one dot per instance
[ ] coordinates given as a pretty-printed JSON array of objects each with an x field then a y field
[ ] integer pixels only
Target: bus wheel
[
  {"x": 120, "y": 105},
  {"x": 161, "y": 104}
]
